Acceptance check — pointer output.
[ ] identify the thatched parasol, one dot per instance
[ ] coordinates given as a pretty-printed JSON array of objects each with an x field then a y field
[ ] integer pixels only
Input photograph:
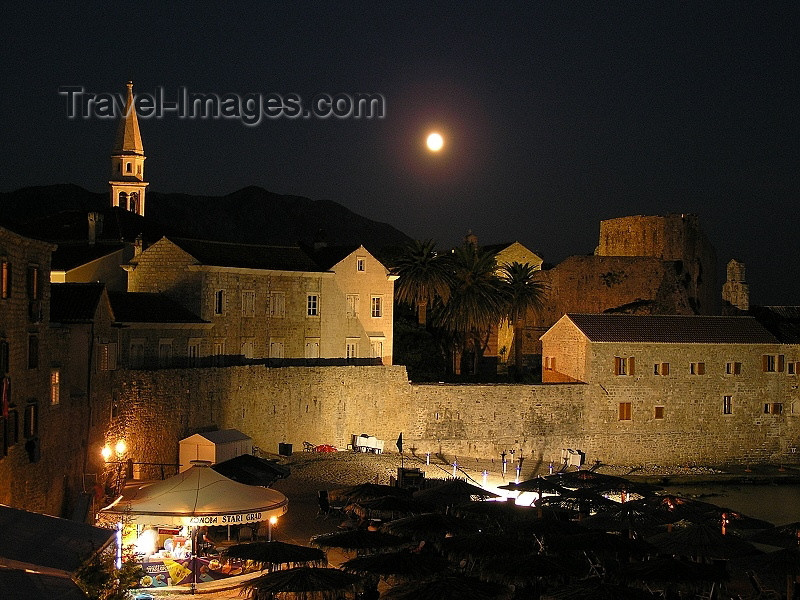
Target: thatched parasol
[
  {"x": 304, "y": 583},
  {"x": 783, "y": 536},
  {"x": 269, "y": 554},
  {"x": 520, "y": 571},
  {"x": 403, "y": 564},
  {"x": 702, "y": 541},
  {"x": 429, "y": 527},
  {"x": 598, "y": 542},
  {"x": 633, "y": 516},
  {"x": 358, "y": 539},
  {"x": 453, "y": 491},
  {"x": 385, "y": 507},
  {"x": 449, "y": 587},
  {"x": 365, "y": 491},
  {"x": 482, "y": 545}
]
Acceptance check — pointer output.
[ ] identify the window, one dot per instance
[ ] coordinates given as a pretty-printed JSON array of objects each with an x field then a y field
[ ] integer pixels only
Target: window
[
  {"x": 106, "y": 357},
  {"x": 792, "y": 368},
  {"x": 219, "y": 302},
  {"x": 219, "y": 353},
  {"x": 549, "y": 363},
  {"x": 193, "y": 352},
  {"x": 312, "y": 348},
  {"x": 164, "y": 354},
  {"x": 312, "y": 305},
  {"x": 12, "y": 427},
  {"x": 361, "y": 264},
  {"x": 377, "y": 306},
  {"x": 33, "y": 283},
  {"x": 33, "y": 352},
  {"x": 659, "y": 412},
  {"x": 4, "y": 366},
  {"x": 55, "y": 387},
  {"x": 128, "y": 168},
  {"x": 623, "y": 365},
  {"x": 727, "y": 405},
  {"x": 247, "y": 348},
  {"x": 661, "y": 369},
  {"x": 697, "y": 368},
  {"x": 352, "y": 306},
  {"x": 136, "y": 356},
  {"x": 123, "y": 200},
  {"x": 277, "y": 305},
  {"x": 248, "y": 304},
  {"x": 773, "y": 408},
  {"x": 733, "y": 368},
  {"x": 376, "y": 349},
  {"x": 276, "y": 348},
  {"x": 30, "y": 425},
  {"x": 624, "y": 411},
  {"x": 5, "y": 279},
  {"x": 351, "y": 348},
  {"x": 772, "y": 363}
]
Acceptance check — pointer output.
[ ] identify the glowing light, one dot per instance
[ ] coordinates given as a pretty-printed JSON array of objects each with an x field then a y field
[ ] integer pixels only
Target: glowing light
[
  {"x": 106, "y": 452},
  {"x": 435, "y": 142},
  {"x": 120, "y": 448}
]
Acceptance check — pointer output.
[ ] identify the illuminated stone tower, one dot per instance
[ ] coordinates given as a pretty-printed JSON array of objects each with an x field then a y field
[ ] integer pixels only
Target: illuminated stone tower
[{"x": 127, "y": 162}]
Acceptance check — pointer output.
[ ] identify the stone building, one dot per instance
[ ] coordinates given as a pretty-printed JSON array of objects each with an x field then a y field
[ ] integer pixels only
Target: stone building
[{"x": 277, "y": 303}]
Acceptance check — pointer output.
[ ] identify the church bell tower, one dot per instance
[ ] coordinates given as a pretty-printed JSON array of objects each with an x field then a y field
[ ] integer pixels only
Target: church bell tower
[{"x": 127, "y": 162}]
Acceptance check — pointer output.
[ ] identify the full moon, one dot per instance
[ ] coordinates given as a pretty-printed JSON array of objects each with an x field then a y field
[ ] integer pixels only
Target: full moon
[{"x": 435, "y": 142}]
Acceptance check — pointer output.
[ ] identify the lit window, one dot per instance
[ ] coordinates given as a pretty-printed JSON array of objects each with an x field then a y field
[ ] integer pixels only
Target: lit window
[
  {"x": 377, "y": 306},
  {"x": 55, "y": 387},
  {"x": 5, "y": 279},
  {"x": 727, "y": 405},
  {"x": 312, "y": 305},
  {"x": 624, "y": 411}
]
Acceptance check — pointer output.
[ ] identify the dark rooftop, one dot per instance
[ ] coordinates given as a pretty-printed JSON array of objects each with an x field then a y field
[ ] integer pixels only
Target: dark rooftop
[
  {"x": 248, "y": 256},
  {"x": 782, "y": 321},
  {"x": 672, "y": 329},
  {"x": 145, "y": 307},
  {"x": 74, "y": 302},
  {"x": 69, "y": 256}
]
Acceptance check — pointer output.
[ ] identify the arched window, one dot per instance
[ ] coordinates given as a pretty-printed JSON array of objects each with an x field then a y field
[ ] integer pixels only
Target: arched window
[
  {"x": 123, "y": 200},
  {"x": 134, "y": 203},
  {"x": 128, "y": 168}
]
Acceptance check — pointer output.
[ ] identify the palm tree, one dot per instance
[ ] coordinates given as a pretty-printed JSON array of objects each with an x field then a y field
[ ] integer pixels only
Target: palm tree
[
  {"x": 423, "y": 276},
  {"x": 477, "y": 299},
  {"x": 525, "y": 293}
]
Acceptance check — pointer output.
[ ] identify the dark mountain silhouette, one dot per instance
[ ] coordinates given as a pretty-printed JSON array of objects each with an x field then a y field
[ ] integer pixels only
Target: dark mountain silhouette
[{"x": 251, "y": 215}]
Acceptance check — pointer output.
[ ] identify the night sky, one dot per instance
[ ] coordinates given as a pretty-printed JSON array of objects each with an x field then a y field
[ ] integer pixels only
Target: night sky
[{"x": 555, "y": 114}]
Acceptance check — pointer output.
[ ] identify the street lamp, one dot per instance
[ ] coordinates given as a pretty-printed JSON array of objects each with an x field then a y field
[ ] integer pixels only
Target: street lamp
[{"x": 120, "y": 448}]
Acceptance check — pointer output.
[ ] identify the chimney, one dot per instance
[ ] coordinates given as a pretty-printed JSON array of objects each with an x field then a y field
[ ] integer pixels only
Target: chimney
[{"x": 137, "y": 246}]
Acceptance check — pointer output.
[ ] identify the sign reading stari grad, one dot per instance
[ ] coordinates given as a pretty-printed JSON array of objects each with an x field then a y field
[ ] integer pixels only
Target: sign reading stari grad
[{"x": 229, "y": 519}]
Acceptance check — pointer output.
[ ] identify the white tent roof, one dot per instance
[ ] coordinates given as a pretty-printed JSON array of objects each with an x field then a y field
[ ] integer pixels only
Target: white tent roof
[{"x": 200, "y": 496}]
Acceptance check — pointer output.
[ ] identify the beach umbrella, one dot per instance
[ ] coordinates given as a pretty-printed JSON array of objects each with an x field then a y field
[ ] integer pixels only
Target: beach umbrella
[
  {"x": 270, "y": 554},
  {"x": 596, "y": 591},
  {"x": 520, "y": 570},
  {"x": 481, "y": 545},
  {"x": 429, "y": 526},
  {"x": 783, "y": 536},
  {"x": 702, "y": 541},
  {"x": 581, "y": 500},
  {"x": 627, "y": 517},
  {"x": 598, "y": 542},
  {"x": 783, "y": 564},
  {"x": 358, "y": 539},
  {"x": 404, "y": 563},
  {"x": 365, "y": 491},
  {"x": 545, "y": 529},
  {"x": 385, "y": 507},
  {"x": 304, "y": 583},
  {"x": 448, "y": 587},
  {"x": 497, "y": 515},
  {"x": 584, "y": 479},
  {"x": 671, "y": 570},
  {"x": 540, "y": 485},
  {"x": 453, "y": 491}
]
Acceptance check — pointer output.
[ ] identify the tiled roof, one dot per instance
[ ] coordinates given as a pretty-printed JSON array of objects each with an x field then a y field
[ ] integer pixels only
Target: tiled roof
[
  {"x": 74, "y": 302},
  {"x": 69, "y": 256},
  {"x": 225, "y": 436},
  {"x": 248, "y": 256},
  {"x": 144, "y": 307},
  {"x": 672, "y": 329}
]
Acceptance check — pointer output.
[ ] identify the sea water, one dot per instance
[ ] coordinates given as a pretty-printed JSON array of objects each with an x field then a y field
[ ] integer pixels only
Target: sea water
[{"x": 777, "y": 503}]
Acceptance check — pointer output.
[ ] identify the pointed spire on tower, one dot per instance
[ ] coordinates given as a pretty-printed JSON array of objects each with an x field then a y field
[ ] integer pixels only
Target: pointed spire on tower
[{"x": 129, "y": 140}]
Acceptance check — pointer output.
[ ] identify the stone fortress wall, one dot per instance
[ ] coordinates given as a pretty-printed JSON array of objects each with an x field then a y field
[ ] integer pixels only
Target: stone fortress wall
[{"x": 326, "y": 405}]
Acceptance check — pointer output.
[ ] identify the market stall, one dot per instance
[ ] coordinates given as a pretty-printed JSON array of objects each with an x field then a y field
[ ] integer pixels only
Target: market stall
[{"x": 161, "y": 522}]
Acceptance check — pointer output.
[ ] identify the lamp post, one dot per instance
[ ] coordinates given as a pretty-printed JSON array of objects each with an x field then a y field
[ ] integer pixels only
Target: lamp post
[
  {"x": 271, "y": 522},
  {"x": 120, "y": 448}
]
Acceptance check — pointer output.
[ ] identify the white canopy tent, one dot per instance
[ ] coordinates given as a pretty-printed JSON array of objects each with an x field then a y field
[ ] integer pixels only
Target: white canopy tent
[{"x": 199, "y": 496}]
